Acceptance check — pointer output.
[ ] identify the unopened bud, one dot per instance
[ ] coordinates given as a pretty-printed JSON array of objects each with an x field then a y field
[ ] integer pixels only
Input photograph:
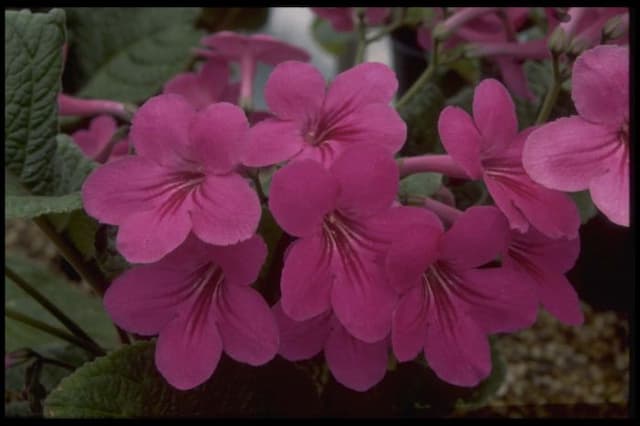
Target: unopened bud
[
  {"x": 615, "y": 27},
  {"x": 558, "y": 42},
  {"x": 577, "y": 46}
]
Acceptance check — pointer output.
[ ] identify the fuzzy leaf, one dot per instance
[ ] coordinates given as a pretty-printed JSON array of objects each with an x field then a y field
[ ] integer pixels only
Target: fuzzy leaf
[{"x": 420, "y": 185}]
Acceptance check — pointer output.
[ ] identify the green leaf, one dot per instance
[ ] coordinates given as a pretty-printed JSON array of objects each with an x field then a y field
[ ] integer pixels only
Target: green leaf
[
  {"x": 420, "y": 185},
  {"x": 108, "y": 258},
  {"x": 33, "y": 66},
  {"x": 214, "y": 19},
  {"x": 421, "y": 114},
  {"x": 419, "y": 15},
  {"x": 70, "y": 167},
  {"x": 126, "y": 383},
  {"x": 585, "y": 205},
  {"x": 30, "y": 206},
  {"x": 82, "y": 307},
  {"x": 127, "y": 54},
  {"x": 331, "y": 41}
]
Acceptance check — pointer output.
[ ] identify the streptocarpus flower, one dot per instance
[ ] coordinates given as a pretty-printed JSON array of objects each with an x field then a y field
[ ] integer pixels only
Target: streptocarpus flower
[
  {"x": 318, "y": 123},
  {"x": 489, "y": 147},
  {"x": 543, "y": 262},
  {"x": 70, "y": 105},
  {"x": 206, "y": 86},
  {"x": 199, "y": 300},
  {"x": 248, "y": 50},
  {"x": 356, "y": 364},
  {"x": 449, "y": 305},
  {"x": 342, "y": 18},
  {"x": 181, "y": 179},
  {"x": 94, "y": 141},
  {"x": 344, "y": 220},
  {"x": 589, "y": 150},
  {"x": 586, "y": 23}
]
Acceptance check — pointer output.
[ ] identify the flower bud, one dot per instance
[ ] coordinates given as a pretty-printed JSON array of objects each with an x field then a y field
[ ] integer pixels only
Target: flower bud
[
  {"x": 615, "y": 27},
  {"x": 558, "y": 42}
]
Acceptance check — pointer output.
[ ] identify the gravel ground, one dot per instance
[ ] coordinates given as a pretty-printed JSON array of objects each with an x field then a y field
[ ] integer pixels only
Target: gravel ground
[{"x": 553, "y": 370}]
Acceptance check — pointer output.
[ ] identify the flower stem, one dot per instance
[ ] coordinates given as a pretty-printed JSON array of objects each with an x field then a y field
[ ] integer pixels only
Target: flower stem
[
  {"x": 361, "y": 29},
  {"x": 49, "y": 306},
  {"x": 426, "y": 76},
  {"x": 88, "y": 271},
  {"x": 54, "y": 331},
  {"x": 447, "y": 213},
  {"x": 438, "y": 163},
  {"x": 398, "y": 22},
  {"x": 552, "y": 95}
]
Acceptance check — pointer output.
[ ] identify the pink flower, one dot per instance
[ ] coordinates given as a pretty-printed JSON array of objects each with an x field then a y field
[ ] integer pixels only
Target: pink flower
[
  {"x": 344, "y": 220},
  {"x": 590, "y": 150},
  {"x": 181, "y": 179},
  {"x": 586, "y": 23},
  {"x": 489, "y": 147},
  {"x": 248, "y": 51},
  {"x": 543, "y": 262},
  {"x": 207, "y": 86},
  {"x": 94, "y": 142},
  {"x": 486, "y": 32},
  {"x": 199, "y": 300},
  {"x": 317, "y": 123},
  {"x": 356, "y": 364},
  {"x": 448, "y": 305},
  {"x": 342, "y": 18}
]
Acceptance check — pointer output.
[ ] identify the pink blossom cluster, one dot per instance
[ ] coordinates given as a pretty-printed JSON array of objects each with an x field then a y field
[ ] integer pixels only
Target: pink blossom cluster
[{"x": 365, "y": 277}]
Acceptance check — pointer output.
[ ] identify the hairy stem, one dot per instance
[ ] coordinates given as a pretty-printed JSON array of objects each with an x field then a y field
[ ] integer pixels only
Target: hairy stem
[
  {"x": 426, "y": 76},
  {"x": 439, "y": 163},
  {"x": 361, "y": 29},
  {"x": 54, "y": 331},
  {"x": 552, "y": 95},
  {"x": 50, "y": 307}
]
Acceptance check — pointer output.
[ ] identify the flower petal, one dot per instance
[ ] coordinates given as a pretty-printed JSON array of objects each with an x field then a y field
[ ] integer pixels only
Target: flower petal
[
  {"x": 368, "y": 178},
  {"x": 363, "y": 84},
  {"x": 189, "y": 348},
  {"x": 247, "y": 326},
  {"x": 145, "y": 298},
  {"x": 94, "y": 140},
  {"x": 378, "y": 124},
  {"x": 241, "y": 263},
  {"x": 514, "y": 77},
  {"x": 361, "y": 297},
  {"x": 461, "y": 139},
  {"x": 410, "y": 255},
  {"x": 495, "y": 116},
  {"x": 457, "y": 352},
  {"x": 218, "y": 135},
  {"x": 188, "y": 85},
  {"x": 557, "y": 255},
  {"x": 558, "y": 296},
  {"x": 272, "y": 141},
  {"x": 498, "y": 299},
  {"x": 300, "y": 340},
  {"x": 610, "y": 192},
  {"x": 160, "y": 130},
  {"x": 600, "y": 84},
  {"x": 115, "y": 190},
  {"x": 477, "y": 237},
  {"x": 272, "y": 51},
  {"x": 409, "y": 325},
  {"x": 147, "y": 236},
  {"x": 226, "y": 210},
  {"x": 356, "y": 364},
  {"x": 301, "y": 194},
  {"x": 214, "y": 78},
  {"x": 295, "y": 91},
  {"x": 566, "y": 154},
  {"x": 307, "y": 278}
]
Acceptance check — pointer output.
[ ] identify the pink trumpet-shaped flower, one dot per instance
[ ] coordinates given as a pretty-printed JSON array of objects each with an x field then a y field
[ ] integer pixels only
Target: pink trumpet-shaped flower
[
  {"x": 489, "y": 147},
  {"x": 590, "y": 150},
  {"x": 356, "y": 364},
  {"x": 586, "y": 23},
  {"x": 94, "y": 142},
  {"x": 543, "y": 262},
  {"x": 318, "y": 123},
  {"x": 199, "y": 300},
  {"x": 448, "y": 304},
  {"x": 208, "y": 85},
  {"x": 342, "y": 18},
  {"x": 181, "y": 179},
  {"x": 345, "y": 221},
  {"x": 248, "y": 50}
]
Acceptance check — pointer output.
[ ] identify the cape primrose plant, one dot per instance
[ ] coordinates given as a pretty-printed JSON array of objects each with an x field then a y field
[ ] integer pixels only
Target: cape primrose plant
[{"x": 236, "y": 255}]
